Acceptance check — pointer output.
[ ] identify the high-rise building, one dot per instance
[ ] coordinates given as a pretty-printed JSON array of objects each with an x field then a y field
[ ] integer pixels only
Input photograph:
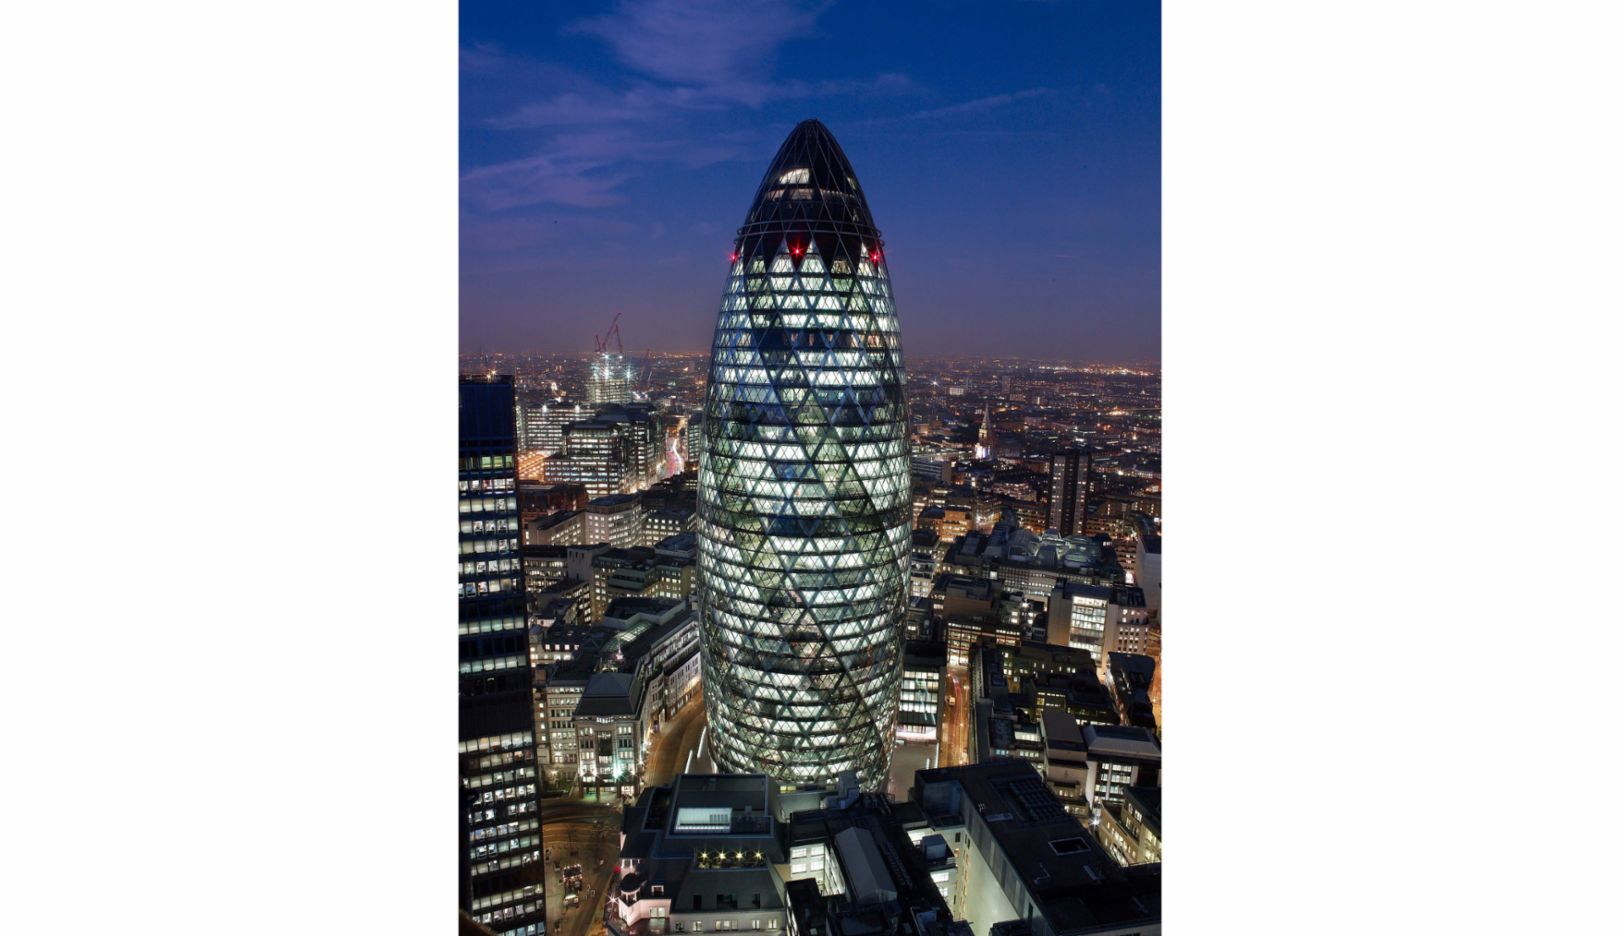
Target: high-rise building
[
  {"x": 542, "y": 425},
  {"x": 1071, "y": 482},
  {"x": 804, "y": 491},
  {"x": 593, "y": 455},
  {"x": 611, "y": 381},
  {"x": 692, "y": 439},
  {"x": 644, "y": 447},
  {"x": 502, "y": 871},
  {"x": 1149, "y": 562}
]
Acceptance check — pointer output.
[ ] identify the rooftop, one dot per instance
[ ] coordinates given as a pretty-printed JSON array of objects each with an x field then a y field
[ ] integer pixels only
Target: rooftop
[
  {"x": 1073, "y": 884},
  {"x": 608, "y": 694}
]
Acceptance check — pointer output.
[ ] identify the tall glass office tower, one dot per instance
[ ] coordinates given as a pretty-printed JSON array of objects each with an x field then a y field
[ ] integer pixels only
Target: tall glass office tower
[
  {"x": 502, "y": 871},
  {"x": 804, "y": 504}
]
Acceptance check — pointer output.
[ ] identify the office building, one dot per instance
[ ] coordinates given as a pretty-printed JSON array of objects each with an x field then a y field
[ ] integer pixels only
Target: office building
[
  {"x": 721, "y": 853},
  {"x": 645, "y": 443},
  {"x": 976, "y": 609},
  {"x": 1149, "y": 562},
  {"x": 921, "y": 674},
  {"x": 1033, "y": 563},
  {"x": 558, "y": 689},
  {"x": 502, "y": 877},
  {"x": 932, "y": 470},
  {"x": 563, "y": 528},
  {"x": 610, "y": 730},
  {"x": 1077, "y": 616},
  {"x": 593, "y": 455},
  {"x": 1130, "y": 676},
  {"x": 540, "y": 498},
  {"x": 699, "y": 856},
  {"x": 614, "y": 519},
  {"x": 692, "y": 439},
  {"x": 659, "y": 525},
  {"x": 1124, "y": 756},
  {"x": 926, "y": 551},
  {"x": 804, "y": 493},
  {"x": 639, "y": 572},
  {"x": 543, "y": 424},
  {"x": 1129, "y": 829},
  {"x": 656, "y": 638},
  {"x": 612, "y": 380},
  {"x": 1071, "y": 485},
  {"x": 949, "y": 522},
  {"x": 1038, "y": 677},
  {"x": 1100, "y": 619},
  {"x": 1032, "y": 868}
]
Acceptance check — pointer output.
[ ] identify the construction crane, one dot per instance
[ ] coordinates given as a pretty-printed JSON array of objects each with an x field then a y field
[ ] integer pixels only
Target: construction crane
[
  {"x": 644, "y": 379},
  {"x": 612, "y": 332}
]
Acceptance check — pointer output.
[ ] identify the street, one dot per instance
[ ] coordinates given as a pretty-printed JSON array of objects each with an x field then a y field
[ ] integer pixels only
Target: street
[
  {"x": 676, "y": 740},
  {"x": 586, "y": 834},
  {"x": 955, "y": 720},
  {"x": 909, "y": 757}
]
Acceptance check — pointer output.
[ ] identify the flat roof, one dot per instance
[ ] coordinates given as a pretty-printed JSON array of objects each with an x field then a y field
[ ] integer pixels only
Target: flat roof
[{"x": 1070, "y": 879}]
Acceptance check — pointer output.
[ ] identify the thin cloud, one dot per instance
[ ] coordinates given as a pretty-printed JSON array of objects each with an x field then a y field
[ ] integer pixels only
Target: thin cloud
[
  {"x": 976, "y": 105},
  {"x": 586, "y": 169},
  {"x": 590, "y": 105},
  {"x": 542, "y": 179},
  {"x": 981, "y": 104},
  {"x": 699, "y": 57},
  {"x": 700, "y": 42}
]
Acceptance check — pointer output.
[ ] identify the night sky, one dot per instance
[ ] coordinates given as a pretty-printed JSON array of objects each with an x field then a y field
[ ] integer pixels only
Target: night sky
[{"x": 1009, "y": 152}]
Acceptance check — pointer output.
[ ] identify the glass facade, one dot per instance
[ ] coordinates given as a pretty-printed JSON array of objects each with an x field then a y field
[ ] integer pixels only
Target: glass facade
[
  {"x": 611, "y": 380},
  {"x": 804, "y": 513},
  {"x": 502, "y": 874}
]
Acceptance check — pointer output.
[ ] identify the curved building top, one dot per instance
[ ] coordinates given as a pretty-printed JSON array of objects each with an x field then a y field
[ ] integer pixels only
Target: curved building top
[{"x": 810, "y": 189}]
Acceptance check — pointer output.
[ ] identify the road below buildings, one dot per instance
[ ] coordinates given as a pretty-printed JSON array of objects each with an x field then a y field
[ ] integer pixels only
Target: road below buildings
[
  {"x": 676, "y": 745},
  {"x": 910, "y": 757},
  {"x": 586, "y": 834},
  {"x": 955, "y": 719}
]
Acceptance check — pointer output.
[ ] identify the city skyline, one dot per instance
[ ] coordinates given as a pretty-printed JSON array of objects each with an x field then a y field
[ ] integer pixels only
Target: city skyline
[
  {"x": 583, "y": 134},
  {"x": 772, "y": 566}
]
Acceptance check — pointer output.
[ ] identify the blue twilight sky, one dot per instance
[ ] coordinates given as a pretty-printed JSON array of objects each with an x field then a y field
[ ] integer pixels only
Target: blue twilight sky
[{"x": 1009, "y": 150}]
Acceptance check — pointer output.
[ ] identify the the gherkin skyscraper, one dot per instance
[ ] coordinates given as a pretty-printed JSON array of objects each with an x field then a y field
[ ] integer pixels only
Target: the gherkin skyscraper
[{"x": 804, "y": 514}]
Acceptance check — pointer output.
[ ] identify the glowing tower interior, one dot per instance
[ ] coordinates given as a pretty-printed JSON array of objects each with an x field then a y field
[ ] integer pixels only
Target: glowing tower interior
[{"x": 804, "y": 491}]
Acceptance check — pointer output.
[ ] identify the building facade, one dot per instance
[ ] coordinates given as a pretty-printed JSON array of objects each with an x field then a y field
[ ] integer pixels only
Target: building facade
[
  {"x": 543, "y": 424},
  {"x": 1031, "y": 867},
  {"x": 804, "y": 491},
  {"x": 502, "y": 872},
  {"x": 611, "y": 381},
  {"x": 1130, "y": 829},
  {"x": 1071, "y": 483},
  {"x": 614, "y": 519}
]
